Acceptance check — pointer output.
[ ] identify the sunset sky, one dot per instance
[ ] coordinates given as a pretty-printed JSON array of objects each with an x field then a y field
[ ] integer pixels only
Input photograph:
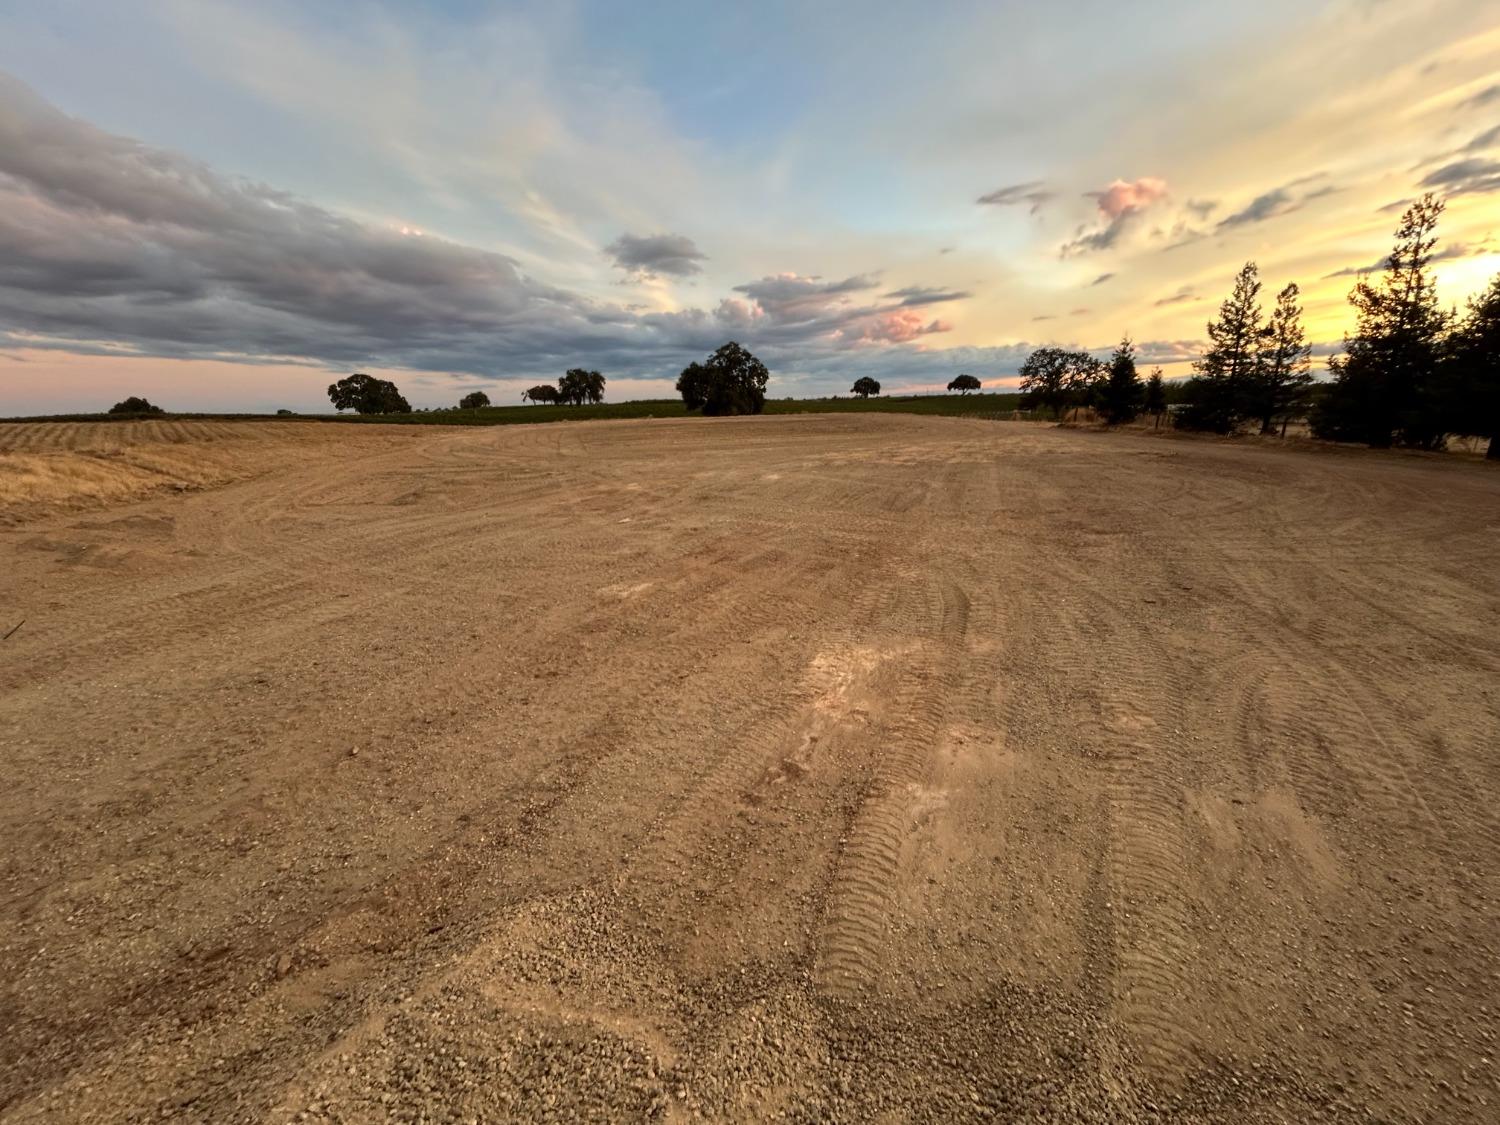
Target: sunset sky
[{"x": 226, "y": 205}]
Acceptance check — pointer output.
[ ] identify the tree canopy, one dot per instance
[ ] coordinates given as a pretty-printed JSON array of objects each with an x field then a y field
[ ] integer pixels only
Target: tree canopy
[
  {"x": 473, "y": 400},
  {"x": 731, "y": 381},
  {"x": 865, "y": 386},
  {"x": 964, "y": 384},
  {"x": 579, "y": 386},
  {"x": 135, "y": 405},
  {"x": 1054, "y": 378},
  {"x": 367, "y": 395},
  {"x": 542, "y": 392}
]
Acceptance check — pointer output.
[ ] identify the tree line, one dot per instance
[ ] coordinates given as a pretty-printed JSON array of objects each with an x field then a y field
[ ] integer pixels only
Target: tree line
[
  {"x": 575, "y": 388},
  {"x": 1411, "y": 373}
]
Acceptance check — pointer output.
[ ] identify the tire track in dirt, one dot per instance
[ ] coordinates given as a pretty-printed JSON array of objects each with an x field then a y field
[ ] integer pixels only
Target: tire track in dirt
[
  {"x": 1134, "y": 690},
  {"x": 932, "y": 618}
]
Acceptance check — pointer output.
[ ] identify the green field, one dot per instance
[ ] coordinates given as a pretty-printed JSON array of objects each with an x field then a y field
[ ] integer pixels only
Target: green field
[{"x": 968, "y": 406}]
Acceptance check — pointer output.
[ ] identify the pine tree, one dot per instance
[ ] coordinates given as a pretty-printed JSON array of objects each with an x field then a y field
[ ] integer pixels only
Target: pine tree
[
  {"x": 1282, "y": 375},
  {"x": 1384, "y": 387},
  {"x": 1471, "y": 388},
  {"x": 1156, "y": 393},
  {"x": 1218, "y": 395},
  {"x": 1121, "y": 393}
]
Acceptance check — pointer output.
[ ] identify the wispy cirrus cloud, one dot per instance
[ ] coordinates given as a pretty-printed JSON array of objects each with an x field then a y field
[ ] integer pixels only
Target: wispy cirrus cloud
[
  {"x": 1490, "y": 95},
  {"x": 1033, "y": 194},
  {"x": 1484, "y": 141},
  {"x": 914, "y": 295},
  {"x": 1181, "y": 297},
  {"x": 1473, "y": 176}
]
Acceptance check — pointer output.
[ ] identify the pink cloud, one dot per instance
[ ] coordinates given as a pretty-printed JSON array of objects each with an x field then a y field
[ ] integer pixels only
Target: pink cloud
[
  {"x": 900, "y": 326},
  {"x": 1124, "y": 196}
]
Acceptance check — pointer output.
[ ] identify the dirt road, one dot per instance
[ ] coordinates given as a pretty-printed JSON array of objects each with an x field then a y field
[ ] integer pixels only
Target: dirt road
[{"x": 857, "y": 767}]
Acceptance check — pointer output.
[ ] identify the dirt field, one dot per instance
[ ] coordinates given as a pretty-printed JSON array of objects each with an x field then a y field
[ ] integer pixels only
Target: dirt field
[{"x": 858, "y": 768}]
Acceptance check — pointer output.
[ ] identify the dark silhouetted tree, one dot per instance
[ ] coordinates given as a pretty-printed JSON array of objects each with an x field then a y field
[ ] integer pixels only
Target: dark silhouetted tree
[
  {"x": 367, "y": 395},
  {"x": 579, "y": 386},
  {"x": 542, "y": 392},
  {"x": 1384, "y": 388},
  {"x": 1121, "y": 394},
  {"x": 964, "y": 384},
  {"x": 731, "y": 381},
  {"x": 1281, "y": 381},
  {"x": 1216, "y": 397},
  {"x": 135, "y": 405},
  {"x": 473, "y": 400},
  {"x": 1156, "y": 394},
  {"x": 864, "y": 387},
  {"x": 1471, "y": 375},
  {"x": 1055, "y": 379}
]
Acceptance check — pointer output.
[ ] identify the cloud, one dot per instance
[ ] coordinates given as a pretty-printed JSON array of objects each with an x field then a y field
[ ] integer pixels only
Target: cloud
[
  {"x": 113, "y": 247},
  {"x": 925, "y": 295},
  {"x": 1490, "y": 138},
  {"x": 898, "y": 327},
  {"x": 1265, "y": 206},
  {"x": 1127, "y": 196},
  {"x": 1101, "y": 279},
  {"x": 1472, "y": 176},
  {"x": 789, "y": 296},
  {"x": 1182, "y": 296},
  {"x": 1120, "y": 204},
  {"x": 1033, "y": 194},
  {"x": 1487, "y": 96},
  {"x": 1201, "y": 208},
  {"x": 656, "y": 254},
  {"x": 1044, "y": 316},
  {"x": 1278, "y": 201}
]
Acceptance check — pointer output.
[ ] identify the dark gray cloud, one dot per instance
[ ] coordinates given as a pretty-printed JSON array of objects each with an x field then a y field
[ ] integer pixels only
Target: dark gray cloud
[
  {"x": 1101, "y": 279},
  {"x": 1268, "y": 205},
  {"x": 1472, "y": 176},
  {"x": 1182, "y": 296},
  {"x": 1086, "y": 241},
  {"x": 1488, "y": 139},
  {"x": 652, "y": 255},
  {"x": 914, "y": 295},
  {"x": 1033, "y": 194},
  {"x": 793, "y": 298},
  {"x": 1488, "y": 96},
  {"x": 1279, "y": 201},
  {"x": 1201, "y": 208},
  {"x": 1044, "y": 316},
  {"x": 110, "y": 246}
]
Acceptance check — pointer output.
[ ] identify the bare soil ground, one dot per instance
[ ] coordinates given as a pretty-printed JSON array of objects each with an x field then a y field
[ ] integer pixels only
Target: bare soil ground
[{"x": 865, "y": 767}]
